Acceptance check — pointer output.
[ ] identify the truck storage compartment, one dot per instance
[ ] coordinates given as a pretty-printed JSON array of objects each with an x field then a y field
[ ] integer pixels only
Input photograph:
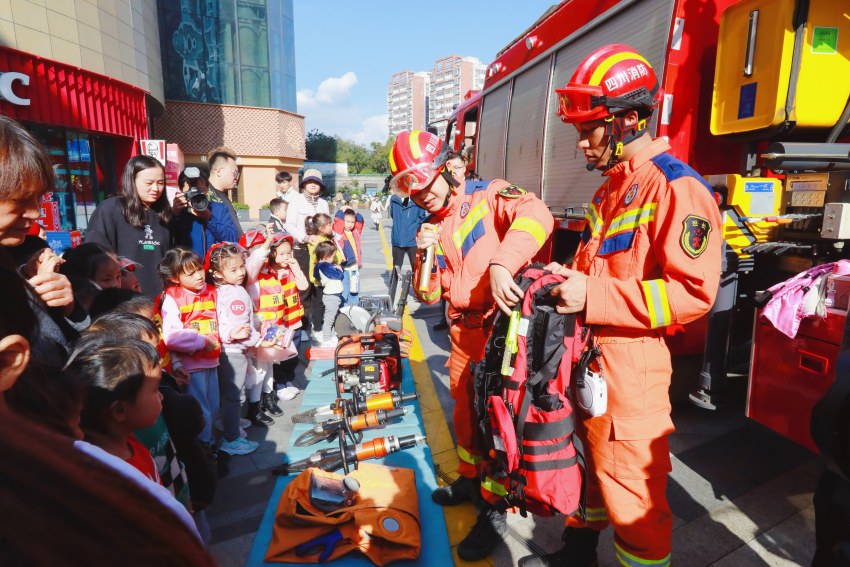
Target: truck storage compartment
[{"x": 769, "y": 79}]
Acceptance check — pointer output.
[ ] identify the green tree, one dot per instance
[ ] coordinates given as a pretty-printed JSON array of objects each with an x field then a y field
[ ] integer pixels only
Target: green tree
[{"x": 321, "y": 147}]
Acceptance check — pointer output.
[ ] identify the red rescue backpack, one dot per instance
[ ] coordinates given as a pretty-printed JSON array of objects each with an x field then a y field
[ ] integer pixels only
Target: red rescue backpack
[{"x": 526, "y": 422}]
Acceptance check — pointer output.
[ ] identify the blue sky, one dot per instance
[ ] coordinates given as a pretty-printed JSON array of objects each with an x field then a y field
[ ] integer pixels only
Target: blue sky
[{"x": 346, "y": 51}]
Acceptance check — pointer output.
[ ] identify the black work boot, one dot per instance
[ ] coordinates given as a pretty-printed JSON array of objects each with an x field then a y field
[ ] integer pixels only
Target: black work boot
[
  {"x": 489, "y": 530},
  {"x": 270, "y": 404},
  {"x": 462, "y": 490},
  {"x": 579, "y": 550},
  {"x": 256, "y": 415}
]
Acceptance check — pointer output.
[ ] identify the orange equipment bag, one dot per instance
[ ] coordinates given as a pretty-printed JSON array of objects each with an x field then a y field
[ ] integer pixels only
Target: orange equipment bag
[{"x": 382, "y": 522}]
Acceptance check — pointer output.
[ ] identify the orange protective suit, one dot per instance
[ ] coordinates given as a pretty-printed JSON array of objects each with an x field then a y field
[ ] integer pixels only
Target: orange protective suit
[
  {"x": 651, "y": 249},
  {"x": 487, "y": 222}
]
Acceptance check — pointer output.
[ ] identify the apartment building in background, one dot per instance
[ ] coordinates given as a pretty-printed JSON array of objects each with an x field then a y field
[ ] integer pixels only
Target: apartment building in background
[
  {"x": 451, "y": 78},
  {"x": 407, "y": 102},
  {"x": 417, "y": 100}
]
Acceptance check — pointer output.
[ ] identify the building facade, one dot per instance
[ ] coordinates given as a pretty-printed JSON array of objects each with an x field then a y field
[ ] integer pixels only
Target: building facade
[
  {"x": 407, "y": 102},
  {"x": 451, "y": 78},
  {"x": 229, "y": 80},
  {"x": 83, "y": 76}
]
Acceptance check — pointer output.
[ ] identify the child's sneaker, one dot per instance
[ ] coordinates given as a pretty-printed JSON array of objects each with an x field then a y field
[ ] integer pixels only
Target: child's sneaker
[
  {"x": 238, "y": 446},
  {"x": 244, "y": 423},
  {"x": 287, "y": 393},
  {"x": 329, "y": 342}
]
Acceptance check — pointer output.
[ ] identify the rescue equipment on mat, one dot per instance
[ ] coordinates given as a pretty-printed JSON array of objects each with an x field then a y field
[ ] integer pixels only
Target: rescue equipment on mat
[
  {"x": 347, "y": 455},
  {"x": 352, "y": 426},
  {"x": 527, "y": 424},
  {"x": 359, "y": 403},
  {"x": 380, "y": 519},
  {"x": 376, "y": 313},
  {"x": 369, "y": 362}
]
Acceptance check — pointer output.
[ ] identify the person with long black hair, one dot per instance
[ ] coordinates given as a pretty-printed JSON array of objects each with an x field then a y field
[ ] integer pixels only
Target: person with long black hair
[{"x": 137, "y": 223}]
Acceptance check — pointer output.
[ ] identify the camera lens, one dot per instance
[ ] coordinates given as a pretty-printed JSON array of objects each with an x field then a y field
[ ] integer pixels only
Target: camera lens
[{"x": 197, "y": 199}]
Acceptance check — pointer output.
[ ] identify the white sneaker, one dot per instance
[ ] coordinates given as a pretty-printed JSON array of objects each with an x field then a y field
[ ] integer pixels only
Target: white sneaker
[
  {"x": 288, "y": 393},
  {"x": 315, "y": 337},
  {"x": 329, "y": 342},
  {"x": 244, "y": 423},
  {"x": 239, "y": 446}
]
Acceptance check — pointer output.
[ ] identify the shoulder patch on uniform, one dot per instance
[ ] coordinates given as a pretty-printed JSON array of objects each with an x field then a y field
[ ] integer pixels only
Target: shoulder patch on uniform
[
  {"x": 694, "y": 238},
  {"x": 512, "y": 192},
  {"x": 674, "y": 168}
]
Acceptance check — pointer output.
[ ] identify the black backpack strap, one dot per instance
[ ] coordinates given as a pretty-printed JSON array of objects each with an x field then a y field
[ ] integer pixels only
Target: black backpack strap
[{"x": 549, "y": 369}]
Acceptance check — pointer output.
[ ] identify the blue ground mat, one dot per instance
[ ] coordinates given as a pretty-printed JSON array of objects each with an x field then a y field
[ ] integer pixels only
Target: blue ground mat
[{"x": 320, "y": 391}]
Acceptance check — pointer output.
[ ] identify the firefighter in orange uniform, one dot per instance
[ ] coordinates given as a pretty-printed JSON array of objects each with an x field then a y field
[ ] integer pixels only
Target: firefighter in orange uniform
[
  {"x": 649, "y": 257},
  {"x": 483, "y": 233}
]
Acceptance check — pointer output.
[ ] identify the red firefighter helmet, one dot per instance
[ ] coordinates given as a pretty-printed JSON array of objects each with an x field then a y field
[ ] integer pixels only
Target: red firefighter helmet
[
  {"x": 612, "y": 79},
  {"x": 416, "y": 158}
]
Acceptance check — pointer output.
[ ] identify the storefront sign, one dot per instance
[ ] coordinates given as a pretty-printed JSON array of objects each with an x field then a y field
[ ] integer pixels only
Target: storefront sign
[
  {"x": 7, "y": 82},
  {"x": 154, "y": 149}
]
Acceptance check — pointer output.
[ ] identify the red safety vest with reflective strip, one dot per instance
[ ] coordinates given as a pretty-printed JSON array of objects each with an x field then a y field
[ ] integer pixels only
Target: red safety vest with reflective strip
[
  {"x": 271, "y": 303},
  {"x": 197, "y": 311},
  {"x": 292, "y": 310}
]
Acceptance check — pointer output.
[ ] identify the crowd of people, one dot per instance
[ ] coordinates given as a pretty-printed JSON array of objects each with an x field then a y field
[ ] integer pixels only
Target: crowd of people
[
  {"x": 126, "y": 362},
  {"x": 145, "y": 352}
]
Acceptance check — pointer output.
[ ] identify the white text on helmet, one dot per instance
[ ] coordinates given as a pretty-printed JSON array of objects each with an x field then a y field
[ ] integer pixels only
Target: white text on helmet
[{"x": 627, "y": 76}]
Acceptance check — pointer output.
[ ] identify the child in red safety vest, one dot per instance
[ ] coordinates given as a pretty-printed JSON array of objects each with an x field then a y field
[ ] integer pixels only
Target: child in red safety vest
[
  {"x": 274, "y": 291},
  {"x": 347, "y": 239},
  {"x": 190, "y": 328}
]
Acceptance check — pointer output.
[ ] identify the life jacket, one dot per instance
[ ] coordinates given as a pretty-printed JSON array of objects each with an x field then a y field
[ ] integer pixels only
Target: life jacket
[
  {"x": 197, "y": 311},
  {"x": 293, "y": 310},
  {"x": 271, "y": 304},
  {"x": 381, "y": 521},
  {"x": 525, "y": 415}
]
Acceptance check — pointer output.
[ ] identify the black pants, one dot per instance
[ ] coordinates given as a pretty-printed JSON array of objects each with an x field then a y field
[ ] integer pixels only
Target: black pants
[
  {"x": 317, "y": 309},
  {"x": 302, "y": 256},
  {"x": 832, "y": 521},
  {"x": 398, "y": 259}
]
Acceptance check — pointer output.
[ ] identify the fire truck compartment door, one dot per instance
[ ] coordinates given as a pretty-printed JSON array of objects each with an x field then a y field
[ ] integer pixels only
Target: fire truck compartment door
[{"x": 758, "y": 59}]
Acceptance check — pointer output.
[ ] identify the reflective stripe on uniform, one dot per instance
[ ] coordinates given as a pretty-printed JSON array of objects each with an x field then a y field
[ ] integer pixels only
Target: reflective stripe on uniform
[
  {"x": 477, "y": 213},
  {"x": 595, "y": 515},
  {"x": 594, "y": 223},
  {"x": 493, "y": 487},
  {"x": 271, "y": 300},
  {"x": 468, "y": 457},
  {"x": 431, "y": 296},
  {"x": 657, "y": 303},
  {"x": 628, "y": 560},
  {"x": 530, "y": 226},
  {"x": 204, "y": 326},
  {"x": 632, "y": 219},
  {"x": 197, "y": 306}
]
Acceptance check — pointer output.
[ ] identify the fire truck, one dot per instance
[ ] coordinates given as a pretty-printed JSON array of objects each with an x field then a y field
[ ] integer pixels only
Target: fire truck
[{"x": 755, "y": 98}]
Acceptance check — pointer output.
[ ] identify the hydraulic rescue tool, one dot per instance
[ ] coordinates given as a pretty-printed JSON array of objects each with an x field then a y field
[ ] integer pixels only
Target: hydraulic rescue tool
[
  {"x": 346, "y": 455},
  {"x": 358, "y": 404},
  {"x": 348, "y": 425}
]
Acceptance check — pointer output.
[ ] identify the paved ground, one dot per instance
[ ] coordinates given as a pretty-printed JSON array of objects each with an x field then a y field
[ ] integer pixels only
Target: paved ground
[{"x": 741, "y": 495}]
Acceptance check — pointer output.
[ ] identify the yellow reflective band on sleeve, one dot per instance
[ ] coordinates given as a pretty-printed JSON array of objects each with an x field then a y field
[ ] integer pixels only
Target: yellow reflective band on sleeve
[
  {"x": 477, "y": 213},
  {"x": 632, "y": 219},
  {"x": 657, "y": 303},
  {"x": 532, "y": 227},
  {"x": 493, "y": 487},
  {"x": 271, "y": 300},
  {"x": 197, "y": 306},
  {"x": 595, "y": 515},
  {"x": 468, "y": 457},
  {"x": 628, "y": 560},
  {"x": 267, "y": 315},
  {"x": 594, "y": 223}
]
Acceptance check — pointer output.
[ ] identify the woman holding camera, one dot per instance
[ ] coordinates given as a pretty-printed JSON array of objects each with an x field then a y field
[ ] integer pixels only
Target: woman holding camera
[
  {"x": 137, "y": 223},
  {"x": 203, "y": 222}
]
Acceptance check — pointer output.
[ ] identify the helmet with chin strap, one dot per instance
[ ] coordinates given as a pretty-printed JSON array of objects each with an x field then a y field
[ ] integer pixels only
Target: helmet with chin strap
[
  {"x": 416, "y": 159},
  {"x": 609, "y": 83}
]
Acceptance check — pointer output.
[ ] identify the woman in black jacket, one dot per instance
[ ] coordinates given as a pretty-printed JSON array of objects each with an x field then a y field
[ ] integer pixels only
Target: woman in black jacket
[{"x": 137, "y": 223}]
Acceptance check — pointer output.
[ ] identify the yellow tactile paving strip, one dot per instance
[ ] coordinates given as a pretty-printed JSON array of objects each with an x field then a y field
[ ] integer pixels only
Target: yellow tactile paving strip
[{"x": 459, "y": 519}]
